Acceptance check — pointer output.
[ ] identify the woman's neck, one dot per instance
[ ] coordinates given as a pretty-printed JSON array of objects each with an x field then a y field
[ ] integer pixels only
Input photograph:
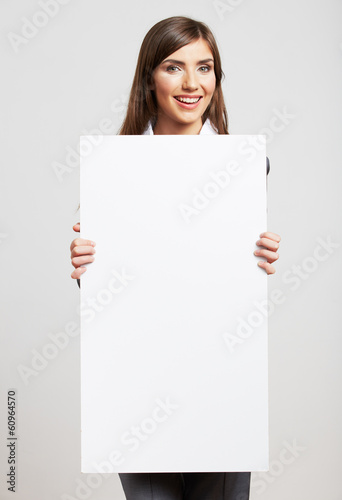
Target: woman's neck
[{"x": 168, "y": 127}]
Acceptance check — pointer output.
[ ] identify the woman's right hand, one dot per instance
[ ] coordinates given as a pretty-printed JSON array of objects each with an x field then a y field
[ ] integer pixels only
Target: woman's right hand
[{"x": 82, "y": 252}]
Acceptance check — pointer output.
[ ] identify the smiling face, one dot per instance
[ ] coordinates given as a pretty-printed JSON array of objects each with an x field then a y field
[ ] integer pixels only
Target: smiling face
[{"x": 184, "y": 84}]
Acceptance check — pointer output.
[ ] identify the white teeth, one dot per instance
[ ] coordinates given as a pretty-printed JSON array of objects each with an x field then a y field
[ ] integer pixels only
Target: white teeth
[{"x": 188, "y": 99}]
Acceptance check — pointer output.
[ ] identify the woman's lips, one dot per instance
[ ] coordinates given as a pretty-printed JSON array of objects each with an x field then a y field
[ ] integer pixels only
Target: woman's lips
[{"x": 186, "y": 105}]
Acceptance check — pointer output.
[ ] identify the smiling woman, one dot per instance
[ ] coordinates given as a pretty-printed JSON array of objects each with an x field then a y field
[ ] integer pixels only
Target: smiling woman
[
  {"x": 177, "y": 82},
  {"x": 177, "y": 90}
]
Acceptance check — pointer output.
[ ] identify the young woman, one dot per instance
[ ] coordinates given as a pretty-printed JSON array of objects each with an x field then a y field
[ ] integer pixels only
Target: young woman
[{"x": 177, "y": 90}]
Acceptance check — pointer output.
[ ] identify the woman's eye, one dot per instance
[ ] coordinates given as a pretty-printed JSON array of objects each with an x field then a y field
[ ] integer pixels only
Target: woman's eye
[
  {"x": 171, "y": 67},
  {"x": 207, "y": 68}
]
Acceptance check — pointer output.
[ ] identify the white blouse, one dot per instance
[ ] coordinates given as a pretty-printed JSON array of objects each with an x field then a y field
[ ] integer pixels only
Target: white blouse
[{"x": 207, "y": 129}]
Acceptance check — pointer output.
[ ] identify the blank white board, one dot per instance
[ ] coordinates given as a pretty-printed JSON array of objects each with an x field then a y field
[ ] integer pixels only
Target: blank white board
[{"x": 174, "y": 307}]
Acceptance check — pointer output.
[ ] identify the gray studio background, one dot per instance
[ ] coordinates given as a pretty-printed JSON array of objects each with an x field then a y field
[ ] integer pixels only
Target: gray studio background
[{"x": 72, "y": 75}]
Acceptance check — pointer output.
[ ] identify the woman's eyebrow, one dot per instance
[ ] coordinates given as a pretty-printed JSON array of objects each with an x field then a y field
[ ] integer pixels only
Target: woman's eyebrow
[{"x": 182, "y": 62}]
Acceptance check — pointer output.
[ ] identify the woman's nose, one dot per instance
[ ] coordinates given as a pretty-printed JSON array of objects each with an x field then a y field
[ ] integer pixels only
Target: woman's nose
[{"x": 190, "y": 81}]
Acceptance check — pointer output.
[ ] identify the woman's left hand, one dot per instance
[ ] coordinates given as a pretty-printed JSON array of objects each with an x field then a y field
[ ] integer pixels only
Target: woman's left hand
[{"x": 269, "y": 243}]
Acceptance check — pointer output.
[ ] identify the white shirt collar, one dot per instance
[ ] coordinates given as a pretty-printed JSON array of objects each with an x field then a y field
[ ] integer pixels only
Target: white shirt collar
[{"x": 207, "y": 129}]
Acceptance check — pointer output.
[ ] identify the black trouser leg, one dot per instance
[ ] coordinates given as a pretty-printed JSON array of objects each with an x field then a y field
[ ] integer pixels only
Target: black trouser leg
[
  {"x": 217, "y": 485},
  {"x": 152, "y": 486}
]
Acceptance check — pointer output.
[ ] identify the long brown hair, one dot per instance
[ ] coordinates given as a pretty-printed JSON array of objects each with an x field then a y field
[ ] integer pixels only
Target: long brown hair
[{"x": 163, "y": 39}]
